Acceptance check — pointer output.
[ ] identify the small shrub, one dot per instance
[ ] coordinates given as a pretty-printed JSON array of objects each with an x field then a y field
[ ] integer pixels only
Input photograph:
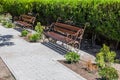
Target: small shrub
[
  {"x": 109, "y": 73},
  {"x": 72, "y": 57},
  {"x": 9, "y": 25},
  {"x": 34, "y": 37},
  {"x": 1, "y": 18},
  {"x": 4, "y": 22},
  {"x": 109, "y": 55},
  {"x": 24, "y": 33},
  {"x": 100, "y": 60},
  {"x": 39, "y": 29},
  {"x": 105, "y": 57}
]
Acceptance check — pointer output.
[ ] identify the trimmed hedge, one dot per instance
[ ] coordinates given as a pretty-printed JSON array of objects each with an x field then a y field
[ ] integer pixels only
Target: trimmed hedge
[{"x": 103, "y": 15}]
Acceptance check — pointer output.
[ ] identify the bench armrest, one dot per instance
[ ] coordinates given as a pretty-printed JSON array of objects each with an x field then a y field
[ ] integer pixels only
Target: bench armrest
[
  {"x": 50, "y": 28},
  {"x": 16, "y": 18},
  {"x": 70, "y": 37}
]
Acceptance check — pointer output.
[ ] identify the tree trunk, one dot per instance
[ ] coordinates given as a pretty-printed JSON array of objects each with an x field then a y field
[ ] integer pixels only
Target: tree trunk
[
  {"x": 93, "y": 39},
  {"x": 116, "y": 46},
  {"x": 12, "y": 18}
]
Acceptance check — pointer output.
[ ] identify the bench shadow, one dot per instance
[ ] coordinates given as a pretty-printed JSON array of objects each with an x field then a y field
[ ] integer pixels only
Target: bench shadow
[
  {"x": 56, "y": 47},
  {"x": 94, "y": 49},
  {"x": 88, "y": 48},
  {"x": 5, "y": 40}
]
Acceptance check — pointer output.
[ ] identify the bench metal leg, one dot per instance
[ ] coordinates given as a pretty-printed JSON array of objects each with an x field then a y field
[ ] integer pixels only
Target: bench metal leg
[{"x": 77, "y": 47}]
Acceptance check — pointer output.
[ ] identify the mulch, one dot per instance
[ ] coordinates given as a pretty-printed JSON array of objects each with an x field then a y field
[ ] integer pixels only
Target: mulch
[{"x": 80, "y": 68}]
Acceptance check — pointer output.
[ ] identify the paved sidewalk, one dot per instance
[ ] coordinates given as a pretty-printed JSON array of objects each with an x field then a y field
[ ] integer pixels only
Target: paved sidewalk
[{"x": 32, "y": 61}]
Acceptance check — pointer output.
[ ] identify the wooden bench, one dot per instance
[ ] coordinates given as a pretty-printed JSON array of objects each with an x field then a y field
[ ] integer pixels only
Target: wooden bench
[
  {"x": 66, "y": 33},
  {"x": 26, "y": 21}
]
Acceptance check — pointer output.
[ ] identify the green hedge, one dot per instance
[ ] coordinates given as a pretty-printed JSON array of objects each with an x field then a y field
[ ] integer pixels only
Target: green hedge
[{"x": 103, "y": 15}]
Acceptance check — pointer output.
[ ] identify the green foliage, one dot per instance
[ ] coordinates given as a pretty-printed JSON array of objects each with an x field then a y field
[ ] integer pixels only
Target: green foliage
[
  {"x": 109, "y": 55},
  {"x": 1, "y": 8},
  {"x": 39, "y": 29},
  {"x": 2, "y": 19},
  {"x": 16, "y": 7},
  {"x": 117, "y": 61},
  {"x": 105, "y": 57},
  {"x": 4, "y": 22},
  {"x": 9, "y": 25},
  {"x": 34, "y": 37},
  {"x": 24, "y": 33},
  {"x": 72, "y": 57},
  {"x": 109, "y": 73},
  {"x": 100, "y": 60}
]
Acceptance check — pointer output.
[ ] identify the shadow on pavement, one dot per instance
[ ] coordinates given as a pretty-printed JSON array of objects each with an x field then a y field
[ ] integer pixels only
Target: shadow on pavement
[
  {"x": 5, "y": 40},
  {"x": 19, "y": 29}
]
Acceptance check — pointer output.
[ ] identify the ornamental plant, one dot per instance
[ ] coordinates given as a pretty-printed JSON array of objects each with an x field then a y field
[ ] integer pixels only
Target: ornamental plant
[
  {"x": 105, "y": 57},
  {"x": 34, "y": 37},
  {"x": 39, "y": 29},
  {"x": 24, "y": 33},
  {"x": 9, "y": 25},
  {"x": 1, "y": 18},
  {"x": 72, "y": 57},
  {"x": 109, "y": 73},
  {"x": 4, "y": 22}
]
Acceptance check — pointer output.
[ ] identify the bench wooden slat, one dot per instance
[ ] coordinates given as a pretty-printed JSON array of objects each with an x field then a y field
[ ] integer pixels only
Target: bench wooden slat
[
  {"x": 26, "y": 21},
  {"x": 64, "y": 31},
  {"x": 26, "y": 16},
  {"x": 24, "y": 24},
  {"x": 66, "y": 26}
]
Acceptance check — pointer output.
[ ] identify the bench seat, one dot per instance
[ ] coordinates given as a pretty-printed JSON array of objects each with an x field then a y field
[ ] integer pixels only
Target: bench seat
[
  {"x": 58, "y": 37},
  {"x": 24, "y": 24},
  {"x": 26, "y": 21},
  {"x": 65, "y": 33}
]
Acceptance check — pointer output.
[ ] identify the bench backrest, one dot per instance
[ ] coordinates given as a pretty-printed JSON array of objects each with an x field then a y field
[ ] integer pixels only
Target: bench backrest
[
  {"x": 65, "y": 28},
  {"x": 27, "y": 18}
]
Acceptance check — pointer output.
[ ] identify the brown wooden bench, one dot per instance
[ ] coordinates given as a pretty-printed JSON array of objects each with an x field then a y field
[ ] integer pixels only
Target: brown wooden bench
[
  {"x": 26, "y": 21},
  {"x": 66, "y": 33}
]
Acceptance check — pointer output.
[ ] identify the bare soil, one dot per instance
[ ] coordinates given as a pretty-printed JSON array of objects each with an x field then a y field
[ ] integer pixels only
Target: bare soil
[
  {"x": 5, "y": 73},
  {"x": 80, "y": 68}
]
